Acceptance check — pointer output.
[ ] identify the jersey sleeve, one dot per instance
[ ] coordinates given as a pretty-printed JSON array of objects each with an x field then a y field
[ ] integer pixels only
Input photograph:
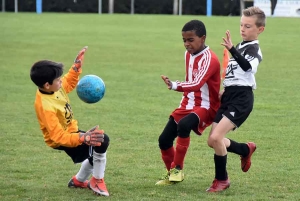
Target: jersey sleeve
[
  {"x": 56, "y": 133},
  {"x": 70, "y": 80},
  {"x": 240, "y": 59},
  {"x": 206, "y": 69},
  {"x": 253, "y": 56}
]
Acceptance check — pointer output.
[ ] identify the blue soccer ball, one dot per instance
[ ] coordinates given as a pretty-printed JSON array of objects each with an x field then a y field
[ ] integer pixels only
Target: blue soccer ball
[{"x": 90, "y": 89}]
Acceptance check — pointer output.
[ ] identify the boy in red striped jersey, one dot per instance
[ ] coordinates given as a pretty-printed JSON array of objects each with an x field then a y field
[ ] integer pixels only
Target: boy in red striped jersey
[{"x": 199, "y": 102}]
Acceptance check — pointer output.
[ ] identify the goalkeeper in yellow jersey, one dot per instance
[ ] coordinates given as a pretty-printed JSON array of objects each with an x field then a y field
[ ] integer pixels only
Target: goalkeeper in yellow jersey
[{"x": 60, "y": 129}]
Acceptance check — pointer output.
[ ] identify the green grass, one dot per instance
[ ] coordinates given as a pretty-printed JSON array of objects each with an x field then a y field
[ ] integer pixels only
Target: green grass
[{"x": 130, "y": 52}]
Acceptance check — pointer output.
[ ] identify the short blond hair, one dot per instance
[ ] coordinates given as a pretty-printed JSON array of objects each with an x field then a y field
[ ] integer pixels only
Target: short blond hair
[{"x": 256, "y": 11}]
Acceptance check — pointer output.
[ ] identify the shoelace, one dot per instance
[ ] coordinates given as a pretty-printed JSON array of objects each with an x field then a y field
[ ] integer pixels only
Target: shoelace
[
  {"x": 174, "y": 171},
  {"x": 165, "y": 176},
  {"x": 99, "y": 181},
  {"x": 101, "y": 187}
]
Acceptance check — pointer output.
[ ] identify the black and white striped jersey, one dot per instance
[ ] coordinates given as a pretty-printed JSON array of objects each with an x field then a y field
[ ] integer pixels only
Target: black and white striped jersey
[{"x": 235, "y": 75}]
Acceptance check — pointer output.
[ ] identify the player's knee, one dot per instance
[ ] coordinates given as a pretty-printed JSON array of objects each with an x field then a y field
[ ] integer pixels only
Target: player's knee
[
  {"x": 106, "y": 140},
  {"x": 183, "y": 129},
  {"x": 104, "y": 145},
  {"x": 214, "y": 141},
  {"x": 209, "y": 143},
  {"x": 165, "y": 142}
]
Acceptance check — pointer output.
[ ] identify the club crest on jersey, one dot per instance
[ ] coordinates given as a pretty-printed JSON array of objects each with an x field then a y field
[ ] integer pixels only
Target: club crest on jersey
[{"x": 249, "y": 58}]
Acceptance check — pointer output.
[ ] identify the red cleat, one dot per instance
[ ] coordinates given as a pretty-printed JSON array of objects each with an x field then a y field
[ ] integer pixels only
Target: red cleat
[
  {"x": 218, "y": 186},
  {"x": 74, "y": 183},
  {"x": 246, "y": 161},
  {"x": 98, "y": 186}
]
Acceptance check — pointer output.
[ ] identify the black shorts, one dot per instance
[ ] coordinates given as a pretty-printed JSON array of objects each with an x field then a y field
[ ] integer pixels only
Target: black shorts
[
  {"x": 80, "y": 153},
  {"x": 236, "y": 104}
]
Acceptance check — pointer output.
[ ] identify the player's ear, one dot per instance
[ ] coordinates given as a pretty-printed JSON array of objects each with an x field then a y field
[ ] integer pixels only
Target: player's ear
[
  {"x": 46, "y": 85},
  {"x": 203, "y": 38},
  {"x": 261, "y": 29}
]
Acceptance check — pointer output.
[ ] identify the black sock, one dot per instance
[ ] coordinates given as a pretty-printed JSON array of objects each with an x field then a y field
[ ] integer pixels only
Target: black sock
[
  {"x": 241, "y": 149},
  {"x": 220, "y": 167}
]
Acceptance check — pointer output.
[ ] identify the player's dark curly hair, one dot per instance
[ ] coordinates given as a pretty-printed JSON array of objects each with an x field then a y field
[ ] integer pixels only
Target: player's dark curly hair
[
  {"x": 195, "y": 25},
  {"x": 45, "y": 71}
]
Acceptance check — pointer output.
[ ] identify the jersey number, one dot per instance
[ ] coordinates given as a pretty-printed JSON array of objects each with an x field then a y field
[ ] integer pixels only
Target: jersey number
[{"x": 68, "y": 113}]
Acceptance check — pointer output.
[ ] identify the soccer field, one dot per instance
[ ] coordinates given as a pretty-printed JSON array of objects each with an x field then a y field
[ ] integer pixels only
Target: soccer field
[{"x": 130, "y": 52}]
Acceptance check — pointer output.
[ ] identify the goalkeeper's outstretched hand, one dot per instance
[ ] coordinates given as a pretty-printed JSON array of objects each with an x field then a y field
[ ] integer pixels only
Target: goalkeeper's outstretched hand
[
  {"x": 79, "y": 60},
  {"x": 93, "y": 137}
]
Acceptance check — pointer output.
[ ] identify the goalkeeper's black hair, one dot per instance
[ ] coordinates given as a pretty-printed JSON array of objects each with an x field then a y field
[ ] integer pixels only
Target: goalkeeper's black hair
[
  {"x": 45, "y": 71},
  {"x": 195, "y": 25}
]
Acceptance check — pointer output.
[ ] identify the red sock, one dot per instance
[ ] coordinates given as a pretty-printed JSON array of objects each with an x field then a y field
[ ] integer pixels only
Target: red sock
[
  {"x": 182, "y": 146},
  {"x": 167, "y": 156}
]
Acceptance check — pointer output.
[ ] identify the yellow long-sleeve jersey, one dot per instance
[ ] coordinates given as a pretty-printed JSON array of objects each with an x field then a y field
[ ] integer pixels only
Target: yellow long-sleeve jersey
[{"x": 55, "y": 115}]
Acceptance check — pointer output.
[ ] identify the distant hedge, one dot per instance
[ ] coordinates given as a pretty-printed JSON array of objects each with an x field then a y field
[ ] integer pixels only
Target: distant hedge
[{"x": 190, "y": 7}]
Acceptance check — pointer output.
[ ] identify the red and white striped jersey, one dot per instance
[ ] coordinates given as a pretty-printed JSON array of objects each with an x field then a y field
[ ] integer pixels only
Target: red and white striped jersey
[{"x": 202, "y": 81}]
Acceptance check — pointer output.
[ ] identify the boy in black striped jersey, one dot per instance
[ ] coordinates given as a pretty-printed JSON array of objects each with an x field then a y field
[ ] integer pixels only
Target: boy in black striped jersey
[{"x": 237, "y": 97}]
